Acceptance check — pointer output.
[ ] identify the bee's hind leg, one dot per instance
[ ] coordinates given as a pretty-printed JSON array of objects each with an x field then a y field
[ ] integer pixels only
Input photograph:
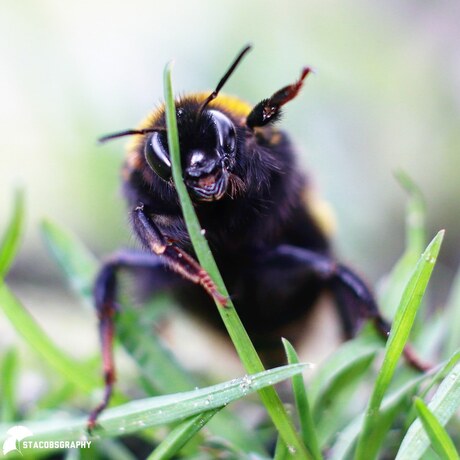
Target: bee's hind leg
[{"x": 355, "y": 300}]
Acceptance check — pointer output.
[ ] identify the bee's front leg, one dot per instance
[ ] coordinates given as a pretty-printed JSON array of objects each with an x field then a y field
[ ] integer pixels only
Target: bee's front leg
[{"x": 173, "y": 256}]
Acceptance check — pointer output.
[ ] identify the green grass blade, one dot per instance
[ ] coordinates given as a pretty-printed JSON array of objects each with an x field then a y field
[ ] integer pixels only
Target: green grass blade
[
  {"x": 365, "y": 345},
  {"x": 156, "y": 363},
  {"x": 9, "y": 244},
  {"x": 76, "y": 261},
  {"x": 415, "y": 215},
  {"x": 415, "y": 243},
  {"x": 440, "y": 440},
  {"x": 334, "y": 384},
  {"x": 180, "y": 435},
  {"x": 390, "y": 407},
  {"x": 444, "y": 403},
  {"x": 332, "y": 410},
  {"x": 240, "y": 338},
  {"x": 307, "y": 426},
  {"x": 453, "y": 318},
  {"x": 162, "y": 410},
  {"x": 368, "y": 442},
  {"x": 8, "y": 385},
  {"x": 441, "y": 374},
  {"x": 36, "y": 338},
  {"x": 281, "y": 450}
]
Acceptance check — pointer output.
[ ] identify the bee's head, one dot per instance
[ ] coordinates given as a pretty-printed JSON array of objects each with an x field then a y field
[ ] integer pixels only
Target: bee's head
[
  {"x": 208, "y": 146},
  {"x": 208, "y": 143}
]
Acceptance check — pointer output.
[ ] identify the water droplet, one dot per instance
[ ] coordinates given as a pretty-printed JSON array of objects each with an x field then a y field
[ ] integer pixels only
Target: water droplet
[
  {"x": 245, "y": 384},
  {"x": 203, "y": 231},
  {"x": 292, "y": 450},
  {"x": 430, "y": 260}
]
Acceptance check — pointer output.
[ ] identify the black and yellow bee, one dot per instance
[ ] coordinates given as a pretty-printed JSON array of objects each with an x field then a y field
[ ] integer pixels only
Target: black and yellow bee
[{"x": 253, "y": 202}]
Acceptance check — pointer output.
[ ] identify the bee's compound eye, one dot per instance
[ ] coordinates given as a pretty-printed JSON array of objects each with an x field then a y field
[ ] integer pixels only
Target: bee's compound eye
[
  {"x": 157, "y": 156},
  {"x": 230, "y": 140},
  {"x": 225, "y": 131}
]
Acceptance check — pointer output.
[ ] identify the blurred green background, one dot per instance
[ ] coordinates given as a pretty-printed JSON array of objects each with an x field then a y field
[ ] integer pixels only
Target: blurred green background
[{"x": 385, "y": 96}]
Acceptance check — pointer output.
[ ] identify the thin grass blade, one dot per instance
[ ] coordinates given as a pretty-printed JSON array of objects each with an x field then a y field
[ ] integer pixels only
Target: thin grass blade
[
  {"x": 368, "y": 443},
  {"x": 9, "y": 244},
  {"x": 440, "y": 439},
  {"x": 281, "y": 450},
  {"x": 453, "y": 318},
  {"x": 415, "y": 243},
  {"x": 307, "y": 426},
  {"x": 240, "y": 338},
  {"x": 36, "y": 338},
  {"x": 161, "y": 410},
  {"x": 8, "y": 385},
  {"x": 366, "y": 344},
  {"x": 75, "y": 260},
  {"x": 180, "y": 435},
  {"x": 334, "y": 384},
  {"x": 444, "y": 403},
  {"x": 391, "y": 406}
]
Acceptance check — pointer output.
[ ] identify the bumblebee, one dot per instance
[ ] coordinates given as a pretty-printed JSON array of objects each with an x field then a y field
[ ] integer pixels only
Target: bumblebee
[{"x": 250, "y": 197}]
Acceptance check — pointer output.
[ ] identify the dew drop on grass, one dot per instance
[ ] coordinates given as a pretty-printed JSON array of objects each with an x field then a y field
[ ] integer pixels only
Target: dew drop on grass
[
  {"x": 246, "y": 383},
  {"x": 292, "y": 450}
]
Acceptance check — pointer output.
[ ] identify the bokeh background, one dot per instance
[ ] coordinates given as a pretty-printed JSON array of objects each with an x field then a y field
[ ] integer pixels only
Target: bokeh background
[{"x": 385, "y": 96}]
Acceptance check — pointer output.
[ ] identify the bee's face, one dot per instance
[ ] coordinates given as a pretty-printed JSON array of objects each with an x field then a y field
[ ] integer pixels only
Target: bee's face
[{"x": 208, "y": 148}]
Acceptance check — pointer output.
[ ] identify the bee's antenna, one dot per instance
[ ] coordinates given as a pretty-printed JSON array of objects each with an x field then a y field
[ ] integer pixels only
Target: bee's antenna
[
  {"x": 223, "y": 80},
  {"x": 129, "y": 132}
]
